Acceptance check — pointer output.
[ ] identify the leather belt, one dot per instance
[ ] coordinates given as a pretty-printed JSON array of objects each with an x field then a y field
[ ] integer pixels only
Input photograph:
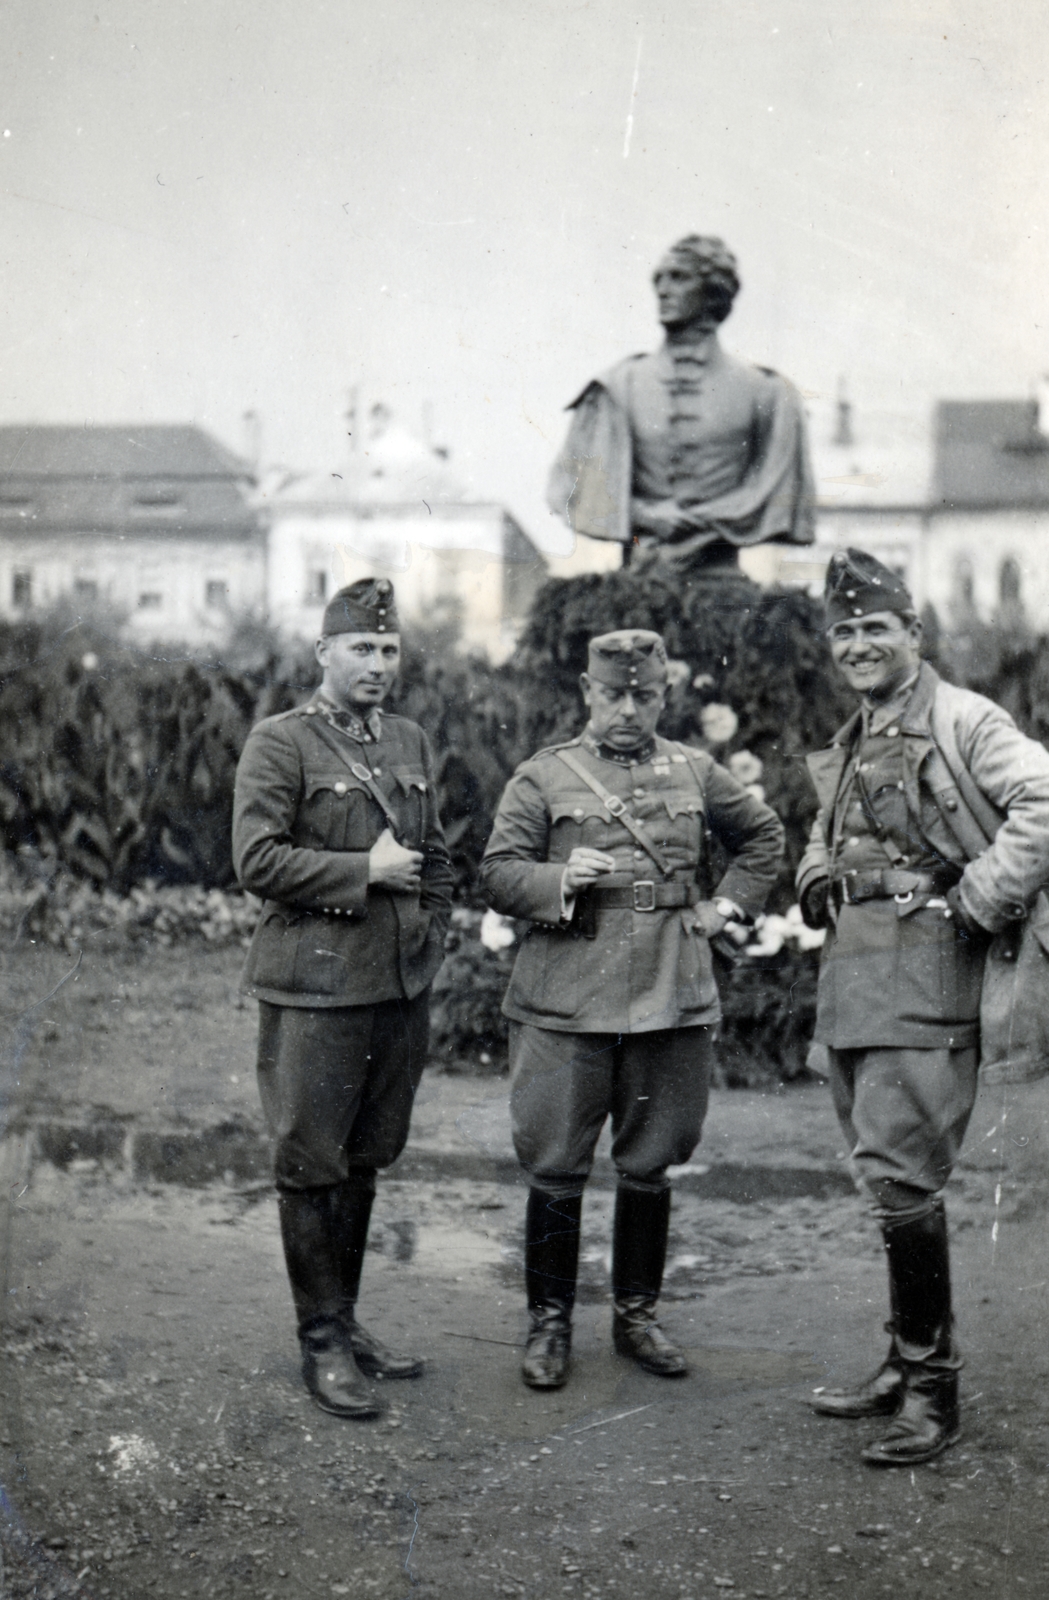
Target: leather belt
[
  {"x": 644, "y": 894},
  {"x": 890, "y": 883}
]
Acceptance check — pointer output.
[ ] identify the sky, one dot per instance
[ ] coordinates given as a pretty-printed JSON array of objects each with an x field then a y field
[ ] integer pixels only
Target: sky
[{"x": 454, "y": 206}]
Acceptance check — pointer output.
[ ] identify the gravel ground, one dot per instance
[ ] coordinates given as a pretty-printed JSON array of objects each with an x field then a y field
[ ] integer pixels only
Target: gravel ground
[{"x": 155, "y": 1439}]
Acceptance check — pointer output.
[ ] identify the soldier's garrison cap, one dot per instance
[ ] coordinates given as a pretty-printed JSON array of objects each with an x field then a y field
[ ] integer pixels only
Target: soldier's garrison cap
[
  {"x": 858, "y": 584},
  {"x": 367, "y": 606},
  {"x": 630, "y": 658}
]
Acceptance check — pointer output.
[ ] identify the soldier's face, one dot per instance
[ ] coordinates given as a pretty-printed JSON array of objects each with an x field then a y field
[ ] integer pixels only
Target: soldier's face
[
  {"x": 680, "y": 291},
  {"x": 871, "y": 650},
  {"x": 359, "y": 668},
  {"x": 622, "y": 718}
]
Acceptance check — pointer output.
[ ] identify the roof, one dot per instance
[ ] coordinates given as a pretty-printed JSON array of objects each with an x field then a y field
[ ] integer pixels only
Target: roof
[
  {"x": 137, "y": 450},
  {"x": 989, "y": 453},
  {"x": 150, "y": 479},
  {"x": 884, "y": 468}
]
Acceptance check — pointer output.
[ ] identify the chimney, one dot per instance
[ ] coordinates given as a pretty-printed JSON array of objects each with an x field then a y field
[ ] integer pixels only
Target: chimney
[
  {"x": 1041, "y": 395},
  {"x": 843, "y": 417},
  {"x": 253, "y": 440}
]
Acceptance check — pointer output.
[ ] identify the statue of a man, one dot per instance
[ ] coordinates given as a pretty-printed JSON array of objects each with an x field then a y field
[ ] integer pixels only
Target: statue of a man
[{"x": 687, "y": 451}]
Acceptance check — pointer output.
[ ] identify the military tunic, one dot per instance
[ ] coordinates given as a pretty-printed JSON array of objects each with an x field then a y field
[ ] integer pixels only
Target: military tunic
[
  {"x": 643, "y": 970},
  {"x": 900, "y": 979},
  {"x": 341, "y": 968},
  {"x": 620, "y": 1022}
]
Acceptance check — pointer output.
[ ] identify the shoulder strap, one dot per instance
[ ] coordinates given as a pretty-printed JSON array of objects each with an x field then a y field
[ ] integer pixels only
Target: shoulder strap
[
  {"x": 984, "y": 817},
  {"x": 617, "y": 808},
  {"x": 360, "y": 771}
]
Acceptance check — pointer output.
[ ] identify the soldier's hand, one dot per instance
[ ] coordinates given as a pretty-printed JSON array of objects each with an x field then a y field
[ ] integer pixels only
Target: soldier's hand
[
  {"x": 705, "y": 918},
  {"x": 391, "y": 866},
  {"x": 584, "y": 867},
  {"x": 663, "y": 518}
]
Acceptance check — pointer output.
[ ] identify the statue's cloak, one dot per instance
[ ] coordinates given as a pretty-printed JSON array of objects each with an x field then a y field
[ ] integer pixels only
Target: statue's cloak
[{"x": 591, "y": 480}]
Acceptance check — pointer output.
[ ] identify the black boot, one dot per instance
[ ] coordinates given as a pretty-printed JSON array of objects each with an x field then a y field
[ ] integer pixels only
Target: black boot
[
  {"x": 927, "y": 1422},
  {"x": 351, "y": 1212},
  {"x": 639, "y": 1250},
  {"x": 328, "y": 1367},
  {"x": 551, "y": 1264},
  {"x": 880, "y": 1395}
]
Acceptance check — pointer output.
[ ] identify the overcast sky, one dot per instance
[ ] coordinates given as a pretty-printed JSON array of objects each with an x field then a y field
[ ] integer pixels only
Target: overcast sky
[{"x": 211, "y": 206}]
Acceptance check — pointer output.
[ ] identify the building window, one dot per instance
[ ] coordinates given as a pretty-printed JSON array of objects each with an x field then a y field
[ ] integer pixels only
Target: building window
[
  {"x": 166, "y": 500},
  {"x": 85, "y": 589},
  {"x": 316, "y": 588},
  {"x": 216, "y": 594},
  {"x": 150, "y": 600},
  {"x": 22, "y": 589}
]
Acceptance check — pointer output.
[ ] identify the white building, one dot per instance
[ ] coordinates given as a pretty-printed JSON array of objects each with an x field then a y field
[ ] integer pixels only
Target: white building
[
  {"x": 397, "y": 510},
  {"x": 153, "y": 521},
  {"x": 166, "y": 527}
]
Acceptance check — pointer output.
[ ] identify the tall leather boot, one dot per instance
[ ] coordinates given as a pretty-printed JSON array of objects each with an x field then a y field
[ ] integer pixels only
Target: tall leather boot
[
  {"x": 927, "y": 1421},
  {"x": 880, "y": 1395},
  {"x": 328, "y": 1367},
  {"x": 551, "y": 1265},
  {"x": 351, "y": 1208},
  {"x": 639, "y": 1251}
]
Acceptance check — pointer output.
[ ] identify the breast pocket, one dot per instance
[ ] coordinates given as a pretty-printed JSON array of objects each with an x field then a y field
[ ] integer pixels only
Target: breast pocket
[
  {"x": 581, "y": 821},
  {"x": 409, "y": 801},
  {"x": 334, "y": 812}
]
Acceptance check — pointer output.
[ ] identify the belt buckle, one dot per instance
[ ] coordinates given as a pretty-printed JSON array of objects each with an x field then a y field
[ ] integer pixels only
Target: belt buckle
[
  {"x": 615, "y": 806},
  {"x": 646, "y": 900}
]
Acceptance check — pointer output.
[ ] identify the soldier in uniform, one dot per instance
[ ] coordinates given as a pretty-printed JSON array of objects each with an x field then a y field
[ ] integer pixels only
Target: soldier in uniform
[
  {"x": 599, "y": 845},
  {"x": 336, "y": 828},
  {"x": 900, "y": 866}
]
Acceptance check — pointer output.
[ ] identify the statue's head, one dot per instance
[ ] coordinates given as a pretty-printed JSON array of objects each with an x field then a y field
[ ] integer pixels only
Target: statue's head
[{"x": 696, "y": 281}]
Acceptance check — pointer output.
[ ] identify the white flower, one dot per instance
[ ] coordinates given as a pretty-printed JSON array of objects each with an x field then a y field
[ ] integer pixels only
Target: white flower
[
  {"x": 718, "y": 722},
  {"x": 677, "y": 672},
  {"x": 745, "y": 766},
  {"x": 497, "y": 932},
  {"x": 800, "y": 936},
  {"x": 89, "y": 661}
]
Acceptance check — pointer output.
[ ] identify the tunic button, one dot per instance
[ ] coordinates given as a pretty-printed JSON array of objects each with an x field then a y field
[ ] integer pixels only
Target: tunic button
[
  {"x": 638, "y": 793},
  {"x": 891, "y": 733},
  {"x": 376, "y": 772},
  {"x": 340, "y": 788},
  {"x": 578, "y": 812},
  {"x": 639, "y": 855},
  {"x": 853, "y": 843},
  {"x": 951, "y": 805}
]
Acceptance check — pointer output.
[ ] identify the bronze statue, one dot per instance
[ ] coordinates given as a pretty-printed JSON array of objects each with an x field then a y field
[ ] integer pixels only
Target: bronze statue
[{"x": 688, "y": 452}]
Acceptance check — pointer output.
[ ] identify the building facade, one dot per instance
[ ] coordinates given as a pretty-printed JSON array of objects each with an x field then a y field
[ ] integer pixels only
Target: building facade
[
  {"x": 154, "y": 523},
  {"x": 165, "y": 528}
]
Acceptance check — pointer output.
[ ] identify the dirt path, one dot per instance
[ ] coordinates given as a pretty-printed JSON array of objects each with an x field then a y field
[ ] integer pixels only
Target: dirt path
[{"x": 155, "y": 1439}]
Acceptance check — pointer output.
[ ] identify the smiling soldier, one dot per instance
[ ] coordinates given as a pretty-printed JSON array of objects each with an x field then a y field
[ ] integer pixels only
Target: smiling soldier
[
  {"x": 599, "y": 844},
  {"x": 336, "y": 827},
  {"x": 902, "y": 867}
]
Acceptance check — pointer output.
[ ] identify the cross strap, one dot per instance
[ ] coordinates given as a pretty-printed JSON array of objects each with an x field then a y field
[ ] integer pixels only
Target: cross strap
[
  {"x": 617, "y": 808},
  {"x": 362, "y": 773}
]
